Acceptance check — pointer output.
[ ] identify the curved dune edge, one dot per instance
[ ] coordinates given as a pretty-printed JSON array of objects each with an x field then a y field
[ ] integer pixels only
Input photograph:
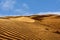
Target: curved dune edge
[
  {"x": 35, "y": 27},
  {"x": 24, "y": 19}
]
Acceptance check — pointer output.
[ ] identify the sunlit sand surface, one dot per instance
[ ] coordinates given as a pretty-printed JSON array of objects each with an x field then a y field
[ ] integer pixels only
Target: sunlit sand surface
[{"x": 34, "y": 27}]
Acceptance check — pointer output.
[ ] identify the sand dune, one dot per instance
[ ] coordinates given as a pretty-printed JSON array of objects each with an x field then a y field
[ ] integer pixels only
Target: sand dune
[
  {"x": 34, "y": 27},
  {"x": 24, "y": 19}
]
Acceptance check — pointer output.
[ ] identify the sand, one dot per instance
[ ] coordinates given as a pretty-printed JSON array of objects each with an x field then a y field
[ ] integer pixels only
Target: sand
[{"x": 35, "y": 27}]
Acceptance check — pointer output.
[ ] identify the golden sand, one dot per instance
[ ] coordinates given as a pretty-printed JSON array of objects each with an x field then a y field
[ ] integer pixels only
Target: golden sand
[{"x": 35, "y": 27}]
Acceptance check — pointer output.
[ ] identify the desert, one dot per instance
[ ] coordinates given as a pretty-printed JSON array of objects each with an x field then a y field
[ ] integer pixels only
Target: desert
[{"x": 33, "y": 27}]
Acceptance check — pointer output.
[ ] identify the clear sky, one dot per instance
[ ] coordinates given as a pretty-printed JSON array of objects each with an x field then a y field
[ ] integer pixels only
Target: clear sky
[{"x": 28, "y": 7}]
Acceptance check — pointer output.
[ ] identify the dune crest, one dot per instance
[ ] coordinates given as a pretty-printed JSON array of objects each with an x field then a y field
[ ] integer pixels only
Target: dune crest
[{"x": 24, "y": 19}]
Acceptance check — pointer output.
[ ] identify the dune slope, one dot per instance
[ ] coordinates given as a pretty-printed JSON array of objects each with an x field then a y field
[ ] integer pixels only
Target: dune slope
[{"x": 35, "y": 27}]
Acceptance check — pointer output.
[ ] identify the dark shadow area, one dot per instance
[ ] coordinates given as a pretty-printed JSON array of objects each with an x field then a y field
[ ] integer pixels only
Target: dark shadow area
[{"x": 57, "y": 32}]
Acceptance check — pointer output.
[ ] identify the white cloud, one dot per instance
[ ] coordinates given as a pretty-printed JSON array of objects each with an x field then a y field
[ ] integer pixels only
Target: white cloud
[
  {"x": 7, "y": 4},
  {"x": 23, "y": 11},
  {"x": 25, "y": 6},
  {"x": 44, "y": 13}
]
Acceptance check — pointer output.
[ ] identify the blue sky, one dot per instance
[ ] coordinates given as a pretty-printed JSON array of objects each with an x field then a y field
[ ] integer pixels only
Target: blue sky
[{"x": 29, "y": 7}]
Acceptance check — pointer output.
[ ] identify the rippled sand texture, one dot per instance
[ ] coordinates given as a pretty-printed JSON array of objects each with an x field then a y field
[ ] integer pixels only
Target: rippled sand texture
[{"x": 35, "y": 27}]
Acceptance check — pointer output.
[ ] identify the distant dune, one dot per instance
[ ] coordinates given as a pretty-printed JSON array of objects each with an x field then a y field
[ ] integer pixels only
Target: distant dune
[{"x": 34, "y": 27}]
